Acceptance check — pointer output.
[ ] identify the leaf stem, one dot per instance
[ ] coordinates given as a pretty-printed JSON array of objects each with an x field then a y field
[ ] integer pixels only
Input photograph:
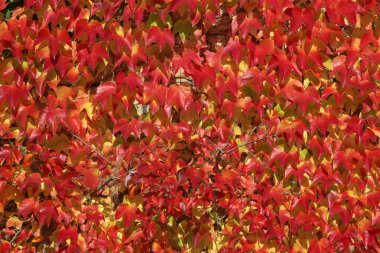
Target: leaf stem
[
  {"x": 15, "y": 236},
  {"x": 103, "y": 184},
  {"x": 242, "y": 145},
  {"x": 92, "y": 148}
]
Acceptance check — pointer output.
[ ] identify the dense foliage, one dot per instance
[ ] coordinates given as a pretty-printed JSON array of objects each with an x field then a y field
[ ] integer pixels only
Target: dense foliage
[{"x": 186, "y": 125}]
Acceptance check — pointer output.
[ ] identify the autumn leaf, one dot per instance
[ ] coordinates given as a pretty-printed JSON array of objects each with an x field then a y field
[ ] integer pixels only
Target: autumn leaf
[
  {"x": 26, "y": 207},
  {"x": 319, "y": 246},
  {"x": 181, "y": 126},
  {"x": 104, "y": 91},
  {"x": 155, "y": 35},
  {"x": 127, "y": 212}
]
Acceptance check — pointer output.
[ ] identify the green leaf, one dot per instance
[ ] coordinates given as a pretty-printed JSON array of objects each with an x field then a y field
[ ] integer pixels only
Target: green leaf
[
  {"x": 242, "y": 148},
  {"x": 184, "y": 28},
  {"x": 155, "y": 20},
  {"x": 328, "y": 64},
  {"x": 57, "y": 143},
  {"x": 303, "y": 154},
  {"x": 279, "y": 110}
]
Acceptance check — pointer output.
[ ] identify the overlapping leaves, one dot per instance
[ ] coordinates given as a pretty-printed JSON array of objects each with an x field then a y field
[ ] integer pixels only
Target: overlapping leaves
[{"x": 136, "y": 126}]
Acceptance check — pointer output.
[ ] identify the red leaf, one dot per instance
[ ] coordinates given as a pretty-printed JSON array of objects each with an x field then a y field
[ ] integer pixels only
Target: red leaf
[
  {"x": 96, "y": 54},
  {"x": 88, "y": 177},
  {"x": 243, "y": 24},
  {"x": 26, "y": 207},
  {"x": 3, "y": 5},
  {"x": 320, "y": 246},
  {"x": 133, "y": 81},
  {"x": 5, "y": 153},
  {"x": 179, "y": 95},
  {"x": 5, "y": 246},
  {"x": 175, "y": 4},
  {"x": 124, "y": 126},
  {"x": 33, "y": 180},
  {"x": 229, "y": 175},
  {"x": 104, "y": 91},
  {"x": 62, "y": 65},
  {"x": 74, "y": 122},
  {"x": 160, "y": 37},
  {"x": 235, "y": 48},
  {"x": 47, "y": 211},
  {"x": 195, "y": 175},
  {"x": 2, "y": 185},
  {"x": 13, "y": 94},
  {"x": 62, "y": 234},
  {"x": 222, "y": 87},
  {"x": 51, "y": 115},
  {"x": 127, "y": 212},
  {"x": 285, "y": 68},
  {"x": 63, "y": 36},
  {"x": 275, "y": 193}
]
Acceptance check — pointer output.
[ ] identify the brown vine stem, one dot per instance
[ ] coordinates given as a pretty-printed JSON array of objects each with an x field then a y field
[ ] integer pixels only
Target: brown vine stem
[
  {"x": 102, "y": 184},
  {"x": 243, "y": 144},
  {"x": 247, "y": 142},
  {"x": 15, "y": 236},
  {"x": 106, "y": 181},
  {"x": 92, "y": 148}
]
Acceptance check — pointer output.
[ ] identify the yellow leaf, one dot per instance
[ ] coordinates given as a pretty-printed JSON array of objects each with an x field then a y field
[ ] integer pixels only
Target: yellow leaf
[
  {"x": 156, "y": 247},
  {"x": 135, "y": 200},
  {"x": 14, "y": 222},
  {"x": 37, "y": 239},
  {"x": 242, "y": 148},
  {"x": 243, "y": 67},
  {"x": 82, "y": 243},
  {"x": 237, "y": 130},
  {"x": 328, "y": 64},
  {"x": 303, "y": 154}
]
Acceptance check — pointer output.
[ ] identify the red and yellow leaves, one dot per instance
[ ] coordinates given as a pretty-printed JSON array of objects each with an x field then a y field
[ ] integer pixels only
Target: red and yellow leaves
[
  {"x": 32, "y": 180},
  {"x": 52, "y": 115},
  {"x": 135, "y": 127},
  {"x": 104, "y": 91},
  {"x": 295, "y": 92},
  {"x": 266, "y": 47},
  {"x": 63, "y": 66},
  {"x": 277, "y": 194},
  {"x": 46, "y": 212},
  {"x": 196, "y": 176},
  {"x": 239, "y": 126},
  {"x": 176, "y": 4},
  {"x": 319, "y": 246},
  {"x": 13, "y": 94},
  {"x": 89, "y": 177},
  {"x": 96, "y": 54},
  {"x": 341, "y": 213},
  {"x": 87, "y": 30},
  {"x": 292, "y": 131},
  {"x": 321, "y": 123},
  {"x": 127, "y": 212},
  {"x": 187, "y": 61},
  {"x": 234, "y": 48},
  {"x": 155, "y": 35},
  {"x": 348, "y": 11},
  {"x": 6, "y": 154},
  {"x": 5, "y": 246},
  {"x": 243, "y": 23},
  {"x": 27, "y": 206},
  {"x": 3, "y": 5},
  {"x": 132, "y": 80},
  {"x": 223, "y": 86},
  {"x": 179, "y": 95}
]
